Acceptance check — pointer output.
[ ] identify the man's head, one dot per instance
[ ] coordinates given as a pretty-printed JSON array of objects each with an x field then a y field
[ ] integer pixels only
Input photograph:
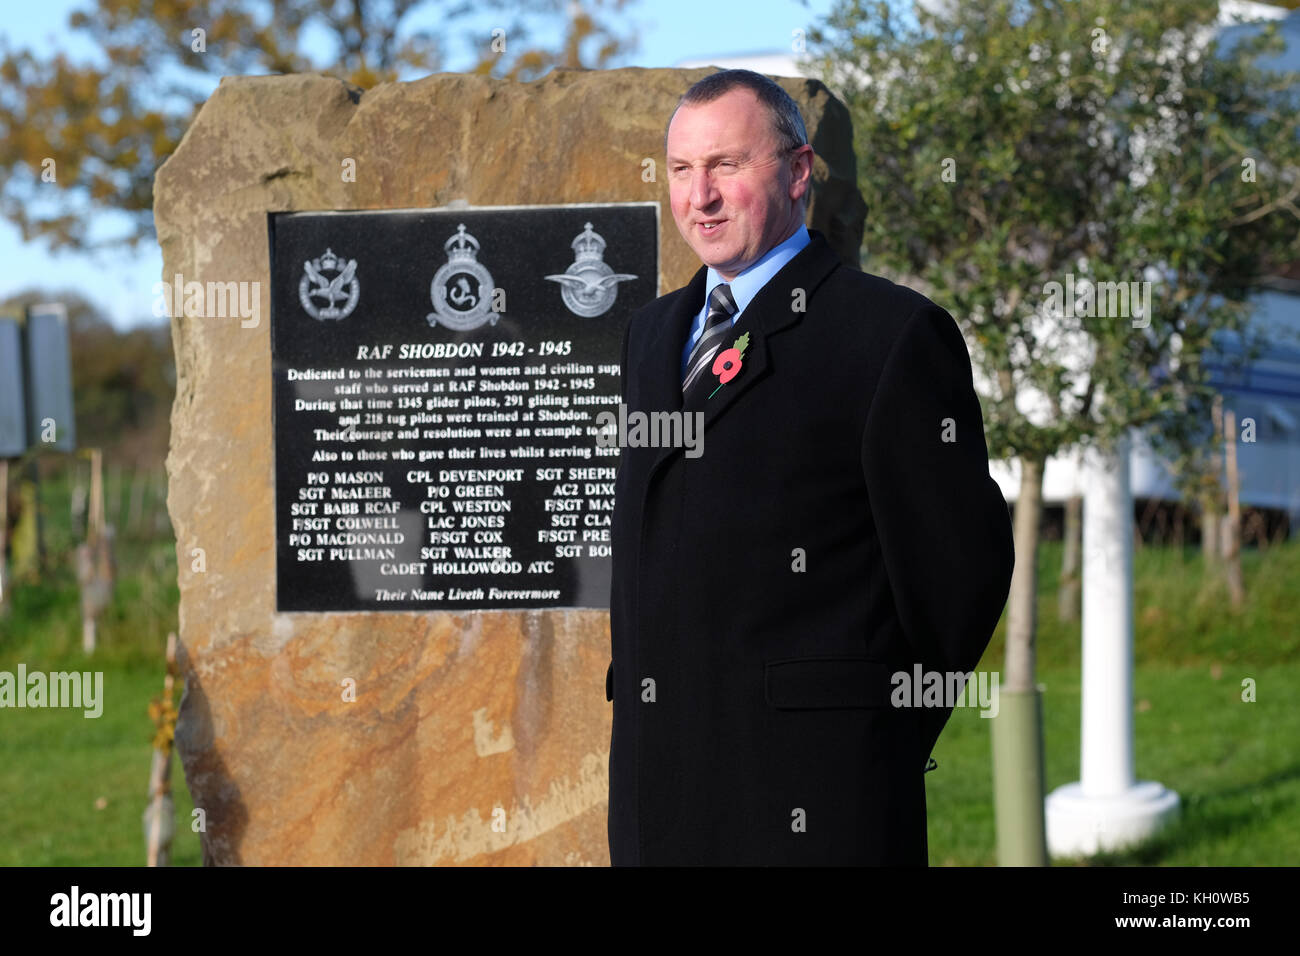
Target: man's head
[{"x": 739, "y": 168}]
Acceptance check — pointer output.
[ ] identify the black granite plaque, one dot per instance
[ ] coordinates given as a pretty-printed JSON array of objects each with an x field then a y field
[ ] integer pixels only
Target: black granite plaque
[{"x": 437, "y": 376}]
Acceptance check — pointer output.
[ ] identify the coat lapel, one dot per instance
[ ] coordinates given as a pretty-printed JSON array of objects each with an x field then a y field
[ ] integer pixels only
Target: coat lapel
[
  {"x": 660, "y": 366},
  {"x": 770, "y": 311}
]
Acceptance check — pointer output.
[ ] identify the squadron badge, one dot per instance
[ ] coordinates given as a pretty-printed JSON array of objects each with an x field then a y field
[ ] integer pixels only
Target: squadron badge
[
  {"x": 319, "y": 286},
  {"x": 589, "y": 286},
  {"x": 462, "y": 289}
]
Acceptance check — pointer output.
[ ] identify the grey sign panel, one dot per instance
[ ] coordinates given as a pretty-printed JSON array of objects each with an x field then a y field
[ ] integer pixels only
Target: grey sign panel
[
  {"x": 439, "y": 379},
  {"x": 49, "y": 378},
  {"x": 13, "y": 428}
]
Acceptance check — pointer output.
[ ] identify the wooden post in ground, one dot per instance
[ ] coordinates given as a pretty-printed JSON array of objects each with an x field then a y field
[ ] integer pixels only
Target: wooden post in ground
[
  {"x": 94, "y": 558},
  {"x": 95, "y": 516},
  {"x": 4, "y": 528},
  {"x": 159, "y": 813},
  {"x": 77, "y": 500},
  {"x": 1211, "y": 510},
  {"x": 26, "y": 543},
  {"x": 1232, "y": 526}
]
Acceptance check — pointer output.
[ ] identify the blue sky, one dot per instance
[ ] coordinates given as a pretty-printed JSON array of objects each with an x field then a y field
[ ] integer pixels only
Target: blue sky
[{"x": 121, "y": 282}]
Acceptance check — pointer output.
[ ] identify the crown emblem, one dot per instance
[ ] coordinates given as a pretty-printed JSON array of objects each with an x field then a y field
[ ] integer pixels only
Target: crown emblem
[
  {"x": 588, "y": 245},
  {"x": 462, "y": 288},
  {"x": 329, "y": 260},
  {"x": 588, "y": 286},
  {"x": 462, "y": 247}
]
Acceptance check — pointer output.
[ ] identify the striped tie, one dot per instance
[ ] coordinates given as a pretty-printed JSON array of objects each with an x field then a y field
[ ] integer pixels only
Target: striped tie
[{"x": 722, "y": 306}]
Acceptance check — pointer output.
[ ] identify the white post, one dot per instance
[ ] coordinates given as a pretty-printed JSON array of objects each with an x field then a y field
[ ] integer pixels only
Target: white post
[
  {"x": 1108, "y": 808},
  {"x": 1106, "y": 735}
]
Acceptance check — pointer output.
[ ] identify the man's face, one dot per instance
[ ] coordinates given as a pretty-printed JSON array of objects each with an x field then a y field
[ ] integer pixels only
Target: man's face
[{"x": 734, "y": 190}]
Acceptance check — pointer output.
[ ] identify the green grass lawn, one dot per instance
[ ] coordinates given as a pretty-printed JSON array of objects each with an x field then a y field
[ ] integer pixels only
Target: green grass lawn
[
  {"x": 72, "y": 789},
  {"x": 1234, "y": 765}
]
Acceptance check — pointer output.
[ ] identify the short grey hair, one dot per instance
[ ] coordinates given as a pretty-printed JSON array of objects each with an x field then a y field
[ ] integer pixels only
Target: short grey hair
[{"x": 787, "y": 123}]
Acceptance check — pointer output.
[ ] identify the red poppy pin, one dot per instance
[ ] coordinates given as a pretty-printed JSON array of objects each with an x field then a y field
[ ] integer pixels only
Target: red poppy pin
[{"x": 728, "y": 362}]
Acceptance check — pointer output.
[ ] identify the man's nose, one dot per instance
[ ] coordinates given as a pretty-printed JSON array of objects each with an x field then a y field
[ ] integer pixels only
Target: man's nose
[{"x": 703, "y": 190}]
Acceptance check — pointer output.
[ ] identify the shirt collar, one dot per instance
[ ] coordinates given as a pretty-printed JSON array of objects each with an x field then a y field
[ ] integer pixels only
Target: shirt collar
[{"x": 746, "y": 285}]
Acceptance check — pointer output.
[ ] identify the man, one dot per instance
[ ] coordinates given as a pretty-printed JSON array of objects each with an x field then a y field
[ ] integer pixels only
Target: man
[{"x": 839, "y": 527}]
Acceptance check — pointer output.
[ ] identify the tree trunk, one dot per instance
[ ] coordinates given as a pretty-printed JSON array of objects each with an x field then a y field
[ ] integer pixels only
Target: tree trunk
[
  {"x": 1017, "y": 730},
  {"x": 1067, "y": 594},
  {"x": 1022, "y": 606}
]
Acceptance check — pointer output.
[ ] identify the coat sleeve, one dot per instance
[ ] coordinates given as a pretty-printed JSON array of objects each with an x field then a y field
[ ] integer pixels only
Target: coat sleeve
[{"x": 943, "y": 525}]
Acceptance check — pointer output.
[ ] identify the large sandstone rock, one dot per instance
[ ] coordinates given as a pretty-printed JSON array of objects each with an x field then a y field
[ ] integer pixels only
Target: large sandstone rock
[{"x": 456, "y": 714}]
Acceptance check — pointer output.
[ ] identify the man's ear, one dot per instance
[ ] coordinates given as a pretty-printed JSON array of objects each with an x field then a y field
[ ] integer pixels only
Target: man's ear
[{"x": 801, "y": 163}]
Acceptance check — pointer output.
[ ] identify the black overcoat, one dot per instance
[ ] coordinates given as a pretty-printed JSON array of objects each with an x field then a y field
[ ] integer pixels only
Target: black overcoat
[{"x": 839, "y": 526}]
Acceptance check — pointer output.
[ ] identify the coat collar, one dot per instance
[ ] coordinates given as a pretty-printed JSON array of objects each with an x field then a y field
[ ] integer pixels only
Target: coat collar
[{"x": 770, "y": 311}]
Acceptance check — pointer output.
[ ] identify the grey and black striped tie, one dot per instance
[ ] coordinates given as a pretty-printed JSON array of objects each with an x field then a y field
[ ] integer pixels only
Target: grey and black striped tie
[{"x": 722, "y": 306}]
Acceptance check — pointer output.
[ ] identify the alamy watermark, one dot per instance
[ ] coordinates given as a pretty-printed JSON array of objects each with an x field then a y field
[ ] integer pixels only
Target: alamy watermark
[
  {"x": 946, "y": 689},
  {"x": 211, "y": 300},
  {"x": 676, "y": 429},
  {"x": 1100, "y": 300},
  {"x": 58, "y": 689},
  {"x": 76, "y": 908}
]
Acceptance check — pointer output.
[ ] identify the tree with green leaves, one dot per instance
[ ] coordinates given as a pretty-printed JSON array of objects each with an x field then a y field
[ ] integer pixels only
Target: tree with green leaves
[
  {"x": 78, "y": 138},
  {"x": 1023, "y": 161}
]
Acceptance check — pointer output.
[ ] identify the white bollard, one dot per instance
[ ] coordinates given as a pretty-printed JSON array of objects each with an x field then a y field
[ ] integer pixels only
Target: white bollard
[{"x": 1108, "y": 808}]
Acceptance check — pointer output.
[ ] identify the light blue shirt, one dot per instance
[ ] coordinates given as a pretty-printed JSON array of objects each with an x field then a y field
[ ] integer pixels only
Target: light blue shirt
[{"x": 746, "y": 285}]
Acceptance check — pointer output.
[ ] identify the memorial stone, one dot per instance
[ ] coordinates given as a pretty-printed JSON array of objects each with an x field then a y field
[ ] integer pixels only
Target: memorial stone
[{"x": 321, "y": 722}]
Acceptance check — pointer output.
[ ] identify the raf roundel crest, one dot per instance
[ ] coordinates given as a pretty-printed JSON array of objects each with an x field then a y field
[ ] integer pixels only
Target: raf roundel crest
[
  {"x": 462, "y": 289},
  {"x": 328, "y": 281},
  {"x": 589, "y": 286}
]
